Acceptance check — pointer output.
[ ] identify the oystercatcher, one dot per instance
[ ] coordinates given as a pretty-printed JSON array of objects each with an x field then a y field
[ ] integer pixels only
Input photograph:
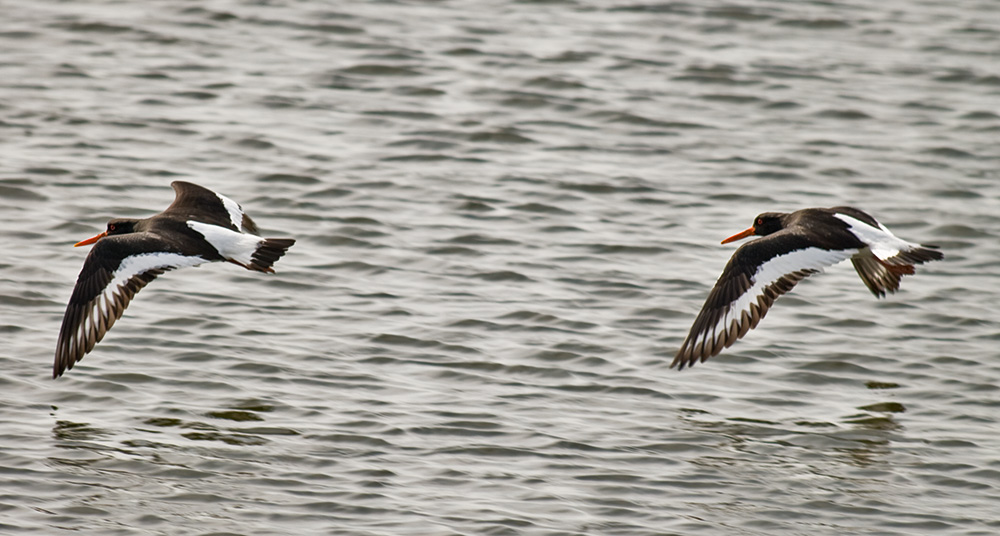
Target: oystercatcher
[
  {"x": 795, "y": 245},
  {"x": 199, "y": 226}
]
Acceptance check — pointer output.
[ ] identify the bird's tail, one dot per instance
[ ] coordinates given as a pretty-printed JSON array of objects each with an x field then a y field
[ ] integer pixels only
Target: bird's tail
[
  {"x": 268, "y": 252},
  {"x": 883, "y": 275},
  {"x": 916, "y": 255}
]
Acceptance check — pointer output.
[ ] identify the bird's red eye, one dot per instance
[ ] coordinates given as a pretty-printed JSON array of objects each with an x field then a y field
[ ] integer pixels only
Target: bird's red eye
[
  {"x": 760, "y": 221},
  {"x": 111, "y": 227}
]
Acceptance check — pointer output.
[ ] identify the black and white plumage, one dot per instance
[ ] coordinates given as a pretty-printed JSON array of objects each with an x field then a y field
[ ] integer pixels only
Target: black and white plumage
[
  {"x": 794, "y": 246},
  {"x": 199, "y": 226}
]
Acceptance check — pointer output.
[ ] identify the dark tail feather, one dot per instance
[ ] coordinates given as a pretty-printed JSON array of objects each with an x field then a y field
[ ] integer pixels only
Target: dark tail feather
[
  {"x": 881, "y": 276},
  {"x": 917, "y": 256},
  {"x": 268, "y": 252}
]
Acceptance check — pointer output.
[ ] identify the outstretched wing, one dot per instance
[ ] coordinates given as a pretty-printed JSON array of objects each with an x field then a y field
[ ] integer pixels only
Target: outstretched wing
[
  {"x": 755, "y": 276},
  {"x": 212, "y": 207},
  {"x": 115, "y": 270}
]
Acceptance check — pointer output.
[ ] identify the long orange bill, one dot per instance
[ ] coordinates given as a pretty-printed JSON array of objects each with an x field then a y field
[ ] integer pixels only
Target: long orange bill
[
  {"x": 90, "y": 240},
  {"x": 740, "y": 235}
]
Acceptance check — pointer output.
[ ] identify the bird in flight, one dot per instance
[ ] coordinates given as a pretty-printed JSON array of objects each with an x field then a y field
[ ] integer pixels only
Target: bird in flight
[
  {"x": 199, "y": 226},
  {"x": 793, "y": 246}
]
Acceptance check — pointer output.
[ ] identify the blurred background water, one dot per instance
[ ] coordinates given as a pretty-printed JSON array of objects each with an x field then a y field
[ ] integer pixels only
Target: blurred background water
[{"x": 508, "y": 215}]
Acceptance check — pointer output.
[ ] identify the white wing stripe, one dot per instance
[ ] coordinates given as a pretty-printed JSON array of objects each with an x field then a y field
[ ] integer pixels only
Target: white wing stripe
[
  {"x": 99, "y": 316},
  {"x": 801, "y": 259},
  {"x": 234, "y": 209},
  {"x": 134, "y": 265}
]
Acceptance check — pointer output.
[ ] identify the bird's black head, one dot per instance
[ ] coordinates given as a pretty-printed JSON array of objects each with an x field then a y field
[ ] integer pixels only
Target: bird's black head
[
  {"x": 767, "y": 223},
  {"x": 763, "y": 225},
  {"x": 117, "y": 226}
]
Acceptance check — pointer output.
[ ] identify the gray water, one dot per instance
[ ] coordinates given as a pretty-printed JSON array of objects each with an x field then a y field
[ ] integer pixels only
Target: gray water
[{"x": 508, "y": 215}]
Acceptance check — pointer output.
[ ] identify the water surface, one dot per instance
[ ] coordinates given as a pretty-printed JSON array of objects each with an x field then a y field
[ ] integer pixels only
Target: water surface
[{"x": 507, "y": 215}]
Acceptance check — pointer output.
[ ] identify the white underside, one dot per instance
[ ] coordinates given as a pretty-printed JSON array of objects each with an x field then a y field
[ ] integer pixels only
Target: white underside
[
  {"x": 234, "y": 246},
  {"x": 802, "y": 259},
  {"x": 880, "y": 240}
]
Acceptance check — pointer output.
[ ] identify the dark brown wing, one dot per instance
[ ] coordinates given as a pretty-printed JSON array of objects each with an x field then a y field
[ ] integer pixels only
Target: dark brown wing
[
  {"x": 755, "y": 276},
  {"x": 115, "y": 270},
  {"x": 204, "y": 205}
]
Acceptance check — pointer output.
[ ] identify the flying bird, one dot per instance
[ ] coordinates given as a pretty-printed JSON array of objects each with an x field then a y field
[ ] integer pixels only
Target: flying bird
[
  {"x": 795, "y": 245},
  {"x": 199, "y": 226}
]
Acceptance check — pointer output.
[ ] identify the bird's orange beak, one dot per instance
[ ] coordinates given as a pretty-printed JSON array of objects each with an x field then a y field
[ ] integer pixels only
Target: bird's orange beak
[
  {"x": 740, "y": 235},
  {"x": 90, "y": 240}
]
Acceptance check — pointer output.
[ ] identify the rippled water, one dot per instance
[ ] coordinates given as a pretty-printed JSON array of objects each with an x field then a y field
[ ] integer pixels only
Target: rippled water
[{"x": 508, "y": 214}]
